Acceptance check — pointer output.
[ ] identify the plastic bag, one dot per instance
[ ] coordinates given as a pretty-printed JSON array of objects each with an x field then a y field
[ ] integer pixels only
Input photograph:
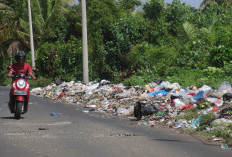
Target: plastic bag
[
  {"x": 165, "y": 84},
  {"x": 149, "y": 109},
  {"x": 216, "y": 101},
  {"x": 162, "y": 92},
  {"x": 178, "y": 104},
  {"x": 174, "y": 86},
  {"x": 124, "y": 111},
  {"x": 199, "y": 96},
  {"x": 205, "y": 88},
  {"x": 224, "y": 88}
]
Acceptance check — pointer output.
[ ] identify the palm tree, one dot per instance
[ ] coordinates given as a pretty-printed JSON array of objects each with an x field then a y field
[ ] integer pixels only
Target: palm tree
[
  {"x": 11, "y": 30},
  {"x": 14, "y": 27},
  {"x": 225, "y": 3},
  {"x": 43, "y": 13}
]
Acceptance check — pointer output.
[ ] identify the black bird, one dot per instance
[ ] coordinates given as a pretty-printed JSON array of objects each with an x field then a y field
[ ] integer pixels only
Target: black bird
[
  {"x": 227, "y": 96},
  {"x": 138, "y": 111}
]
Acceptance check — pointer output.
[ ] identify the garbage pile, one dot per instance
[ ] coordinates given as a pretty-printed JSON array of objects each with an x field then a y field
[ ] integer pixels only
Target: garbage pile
[{"x": 157, "y": 103}]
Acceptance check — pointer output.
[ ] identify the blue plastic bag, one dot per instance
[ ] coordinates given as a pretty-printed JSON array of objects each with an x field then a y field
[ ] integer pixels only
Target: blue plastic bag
[
  {"x": 163, "y": 92},
  {"x": 54, "y": 114},
  {"x": 199, "y": 95}
]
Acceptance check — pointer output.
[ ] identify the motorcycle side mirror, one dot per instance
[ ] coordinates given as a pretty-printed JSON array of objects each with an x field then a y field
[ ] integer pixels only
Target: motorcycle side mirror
[{"x": 34, "y": 69}]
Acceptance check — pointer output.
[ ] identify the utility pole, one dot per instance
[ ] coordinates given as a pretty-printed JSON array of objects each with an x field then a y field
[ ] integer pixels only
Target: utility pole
[
  {"x": 84, "y": 44},
  {"x": 31, "y": 35}
]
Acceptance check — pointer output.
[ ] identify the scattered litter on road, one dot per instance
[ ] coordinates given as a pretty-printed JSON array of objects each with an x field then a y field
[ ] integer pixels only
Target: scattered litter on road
[
  {"x": 55, "y": 114},
  {"x": 217, "y": 139},
  {"x": 43, "y": 128},
  {"x": 225, "y": 146}
]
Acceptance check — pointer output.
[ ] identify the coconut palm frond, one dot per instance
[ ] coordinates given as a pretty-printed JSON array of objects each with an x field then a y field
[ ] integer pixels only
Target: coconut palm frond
[
  {"x": 22, "y": 35},
  {"x": 190, "y": 30},
  {"x": 214, "y": 20},
  {"x": 24, "y": 25},
  {"x": 7, "y": 12},
  {"x": 53, "y": 9},
  {"x": 68, "y": 1},
  {"x": 224, "y": 3},
  {"x": 5, "y": 7},
  {"x": 45, "y": 7},
  {"x": 37, "y": 24},
  {"x": 205, "y": 30},
  {"x": 204, "y": 3},
  {"x": 64, "y": 10},
  {"x": 37, "y": 8},
  {"x": 38, "y": 19},
  {"x": 6, "y": 34}
]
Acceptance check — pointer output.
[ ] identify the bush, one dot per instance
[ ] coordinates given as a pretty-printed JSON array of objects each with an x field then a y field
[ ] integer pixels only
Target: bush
[
  {"x": 124, "y": 34},
  {"x": 188, "y": 114},
  {"x": 186, "y": 77},
  {"x": 142, "y": 78},
  {"x": 207, "y": 118},
  {"x": 189, "y": 77},
  {"x": 225, "y": 133},
  {"x": 60, "y": 60},
  {"x": 229, "y": 141},
  {"x": 137, "y": 56},
  {"x": 4, "y": 62},
  {"x": 147, "y": 56},
  {"x": 228, "y": 68},
  {"x": 39, "y": 82}
]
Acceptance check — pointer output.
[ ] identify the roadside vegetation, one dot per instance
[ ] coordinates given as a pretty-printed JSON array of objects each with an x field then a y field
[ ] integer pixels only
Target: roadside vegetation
[{"x": 128, "y": 42}]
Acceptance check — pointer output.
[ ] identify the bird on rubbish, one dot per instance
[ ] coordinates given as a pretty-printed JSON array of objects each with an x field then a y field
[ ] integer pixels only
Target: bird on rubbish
[
  {"x": 227, "y": 96},
  {"x": 138, "y": 111}
]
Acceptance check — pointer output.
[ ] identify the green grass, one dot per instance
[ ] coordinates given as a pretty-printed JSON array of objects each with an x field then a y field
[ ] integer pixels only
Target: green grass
[
  {"x": 229, "y": 141},
  {"x": 185, "y": 78},
  {"x": 40, "y": 82},
  {"x": 188, "y": 114}
]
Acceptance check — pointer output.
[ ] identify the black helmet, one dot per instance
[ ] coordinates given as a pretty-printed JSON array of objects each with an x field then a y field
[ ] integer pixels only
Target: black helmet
[{"x": 20, "y": 55}]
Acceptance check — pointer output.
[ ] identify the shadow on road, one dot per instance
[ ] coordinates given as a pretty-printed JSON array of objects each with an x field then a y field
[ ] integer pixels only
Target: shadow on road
[
  {"x": 10, "y": 118},
  {"x": 134, "y": 120},
  {"x": 169, "y": 140}
]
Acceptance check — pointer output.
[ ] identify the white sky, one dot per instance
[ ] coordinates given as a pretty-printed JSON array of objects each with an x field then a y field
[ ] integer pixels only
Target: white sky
[{"x": 193, "y": 3}]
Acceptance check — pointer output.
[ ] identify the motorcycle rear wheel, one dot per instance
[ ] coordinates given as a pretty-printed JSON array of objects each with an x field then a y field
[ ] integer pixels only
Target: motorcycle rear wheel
[{"x": 18, "y": 111}]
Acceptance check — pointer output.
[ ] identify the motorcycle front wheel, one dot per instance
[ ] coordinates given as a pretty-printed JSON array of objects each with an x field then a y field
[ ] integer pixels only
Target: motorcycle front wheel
[{"x": 18, "y": 111}]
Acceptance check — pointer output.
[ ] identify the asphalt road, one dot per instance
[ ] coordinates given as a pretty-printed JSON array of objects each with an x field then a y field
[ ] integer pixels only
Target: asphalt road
[{"x": 75, "y": 133}]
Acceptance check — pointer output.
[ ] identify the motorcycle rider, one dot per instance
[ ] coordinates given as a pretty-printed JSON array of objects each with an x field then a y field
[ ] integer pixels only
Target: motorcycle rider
[{"x": 20, "y": 67}]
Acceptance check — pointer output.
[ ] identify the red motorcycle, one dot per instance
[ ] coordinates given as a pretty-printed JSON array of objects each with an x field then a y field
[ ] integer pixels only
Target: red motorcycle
[{"x": 19, "y": 94}]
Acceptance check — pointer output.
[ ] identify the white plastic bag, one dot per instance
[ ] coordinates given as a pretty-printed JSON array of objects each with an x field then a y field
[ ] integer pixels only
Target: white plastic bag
[
  {"x": 178, "y": 103},
  {"x": 224, "y": 88}
]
